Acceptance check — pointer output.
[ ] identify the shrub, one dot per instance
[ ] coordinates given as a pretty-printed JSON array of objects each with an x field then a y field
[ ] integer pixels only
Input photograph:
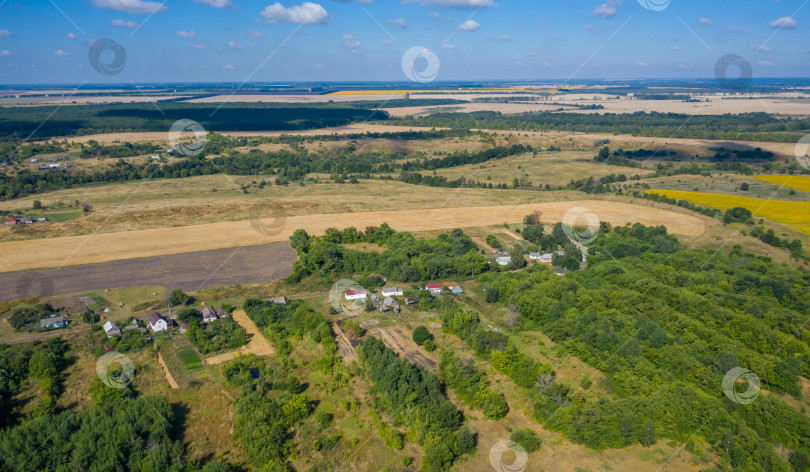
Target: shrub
[
  {"x": 527, "y": 438},
  {"x": 421, "y": 334}
]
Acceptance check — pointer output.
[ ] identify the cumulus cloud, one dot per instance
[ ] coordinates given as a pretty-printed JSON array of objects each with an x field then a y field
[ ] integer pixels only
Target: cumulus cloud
[
  {"x": 4, "y": 32},
  {"x": 784, "y": 23},
  {"x": 124, "y": 24},
  {"x": 255, "y": 34},
  {"x": 228, "y": 66},
  {"x": 187, "y": 34},
  {"x": 605, "y": 10},
  {"x": 387, "y": 42},
  {"x": 397, "y": 22},
  {"x": 5, "y": 53},
  {"x": 197, "y": 46},
  {"x": 592, "y": 29},
  {"x": 706, "y": 22},
  {"x": 60, "y": 52},
  {"x": 234, "y": 45},
  {"x": 641, "y": 64},
  {"x": 765, "y": 63},
  {"x": 215, "y": 3},
  {"x": 469, "y": 25},
  {"x": 306, "y": 13},
  {"x": 70, "y": 36},
  {"x": 138, "y": 7},
  {"x": 449, "y": 46},
  {"x": 760, "y": 47}
]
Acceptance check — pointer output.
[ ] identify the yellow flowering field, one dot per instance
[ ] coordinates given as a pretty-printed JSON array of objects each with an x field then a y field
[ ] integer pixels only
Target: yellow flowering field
[
  {"x": 794, "y": 215},
  {"x": 799, "y": 182}
]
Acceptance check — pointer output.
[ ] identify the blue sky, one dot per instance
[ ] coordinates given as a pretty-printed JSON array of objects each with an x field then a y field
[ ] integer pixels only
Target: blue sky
[{"x": 344, "y": 40}]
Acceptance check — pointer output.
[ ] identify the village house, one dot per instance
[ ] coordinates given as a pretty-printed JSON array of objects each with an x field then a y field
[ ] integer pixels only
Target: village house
[
  {"x": 111, "y": 329},
  {"x": 391, "y": 292},
  {"x": 55, "y": 165},
  {"x": 184, "y": 327},
  {"x": 158, "y": 322},
  {"x": 209, "y": 315},
  {"x": 535, "y": 256},
  {"x": 278, "y": 300},
  {"x": 12, "y": 220},
  {"x": 546, "y": 258},
  {"x": 504, "y": 261},
  {"x": 435, "y": 287},
  {"x": 155, "y": 157},
  {"x": 53, "y": 322},
  {"x": 355, "y": 295},
  {"x": 561, "y": 271}
]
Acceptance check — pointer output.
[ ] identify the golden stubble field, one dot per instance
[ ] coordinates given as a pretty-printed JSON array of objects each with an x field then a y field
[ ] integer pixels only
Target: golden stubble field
[{"x": 104, "y": 247}]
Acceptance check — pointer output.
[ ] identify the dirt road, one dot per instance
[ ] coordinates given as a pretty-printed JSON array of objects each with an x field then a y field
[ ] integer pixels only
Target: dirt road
[{"x": 257, "y": 343}]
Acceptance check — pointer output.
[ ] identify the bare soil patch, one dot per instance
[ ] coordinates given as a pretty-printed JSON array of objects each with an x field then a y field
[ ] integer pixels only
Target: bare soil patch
[
  {"x": 257, "y": 343},
  {"x": 402, "y": 343}
]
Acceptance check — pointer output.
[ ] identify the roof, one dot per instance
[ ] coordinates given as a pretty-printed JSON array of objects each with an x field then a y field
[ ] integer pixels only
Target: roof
[
  {"x": 109, "y": 326},
  {"x": 435, "y": 285},
  {"x": 561, "y": 271},
  {"x": 355, "y": 292},
  {"x": 208, "y": 312},
  {"x": 391, "y": 289},
  {"x": 278, "y": 300},
  {"x": 185, "y": 326},
  {"x": 155, "y": 317},
  {"x": 51, "y": 320},
  {"x": 457, "y": 290}
]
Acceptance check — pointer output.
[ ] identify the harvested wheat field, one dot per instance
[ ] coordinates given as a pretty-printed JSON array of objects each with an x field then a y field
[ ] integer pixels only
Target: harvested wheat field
[
  {"x": 105, "y": 247},
  {"x": 257, "y": 343}
]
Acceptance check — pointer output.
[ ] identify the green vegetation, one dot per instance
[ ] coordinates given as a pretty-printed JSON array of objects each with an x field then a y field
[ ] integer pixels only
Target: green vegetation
[
  {"x": 27, "y": 317},
  {"x": 190, "y": 359},
  {"x": 220, "y": 335},
  {"x": 527, "y": 439},
  {"x": 471, "y": 385}
]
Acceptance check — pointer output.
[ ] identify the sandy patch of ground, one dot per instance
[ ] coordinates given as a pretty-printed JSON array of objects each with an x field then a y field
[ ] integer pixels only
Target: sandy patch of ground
[
  {"x": 169, "y": 377},
  {"x": 257, "y": 343},
  {"x": 345, "y": 348},
  {"x": 104, "y": 247},
  {"x": 401, "y": 342}
]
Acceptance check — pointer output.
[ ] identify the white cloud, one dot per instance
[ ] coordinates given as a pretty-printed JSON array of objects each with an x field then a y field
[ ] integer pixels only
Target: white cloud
[
  {"x": 60, "y": 52},
  {"x": 605, "y": 10},
  {"x": 197, "y": 46},
  {"x": 467, "y": 4},
  {"x": 138, "y": 7},
  {"x": 306, "y": 13},
  {"x": 347, "y": 37},
  {"x": 228, "y": 66},
  {"x": 784, "y": 23},
  {"x": 187, "y": 34},
  {"x": 592, "y": 29},
  {"x": 469, "y": 25},
  {"x": 387, "y": 42},
  {"x": 215, "y": 3},
  {"x": 676, "y": 48},
  {"x": 234, "y": 45},
  {"x": 4, "y": 32},
  {"x": 397, "y": 22},
  {"x": 449, "y": 46},
  {"x": 125, "y": 24},
  {"x": 641, "y": 64},
  {"x": 505, "y": 37},
  {"x": 765, "y": 63},
  {"x": 5, "y": 53},
  {"x": 70, "y": 36},
  {"x": 760, "y": 47},
  {"x": 706, "y": 22},
  {"x": 255, "y": 34}
]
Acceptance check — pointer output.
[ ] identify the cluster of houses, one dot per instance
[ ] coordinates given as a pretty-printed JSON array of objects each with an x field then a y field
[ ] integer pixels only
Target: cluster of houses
[
  {"x": 157, "y": 322},
  {"x": 436, "y": 289},
  {"x": 52, "y": 164},
  {"x": 53, "y": 322},
  {"x": 24, "y": 220},
  {"x": 385, "y": 303},
  {"x": 505, "y": 260}
]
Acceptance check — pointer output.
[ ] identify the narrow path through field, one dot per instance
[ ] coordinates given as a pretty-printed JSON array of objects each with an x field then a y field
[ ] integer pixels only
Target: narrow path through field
[
  {"x": 169, "y": 377},
  {"x": 105, "y": 247},
  {"x": 257, "y": 343}
]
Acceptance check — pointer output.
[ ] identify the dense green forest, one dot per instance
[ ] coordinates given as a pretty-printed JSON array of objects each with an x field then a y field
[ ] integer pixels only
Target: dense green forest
[
  {"x": 50, "y": 121},
  {"x": 745, "y": 127}
]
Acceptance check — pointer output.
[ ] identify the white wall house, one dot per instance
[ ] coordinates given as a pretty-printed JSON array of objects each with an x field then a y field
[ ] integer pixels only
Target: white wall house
[
  {"x": 355, "y": 295},
  {"x": 158, "y": 323},
  {"x": 391, "y": 292}
]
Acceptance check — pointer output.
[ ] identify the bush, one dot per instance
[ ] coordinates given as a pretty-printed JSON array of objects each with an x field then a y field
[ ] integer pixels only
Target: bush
[
  {"x": 527, "y": 438},
  {"x": 421, "y": 334},
  {"x": 429, "y": 345}
]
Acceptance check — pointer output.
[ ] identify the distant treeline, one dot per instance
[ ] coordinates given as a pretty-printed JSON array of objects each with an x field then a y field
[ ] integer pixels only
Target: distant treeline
[
  {"x": 49, "y": 121},
  {"x": 748, "y": 127}
]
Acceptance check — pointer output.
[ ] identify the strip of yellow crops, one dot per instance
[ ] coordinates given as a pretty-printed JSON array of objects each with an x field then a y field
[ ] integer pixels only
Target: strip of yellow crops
[
  {"x": 799, "y": 182},
  {"x": 795, "y": 215}
]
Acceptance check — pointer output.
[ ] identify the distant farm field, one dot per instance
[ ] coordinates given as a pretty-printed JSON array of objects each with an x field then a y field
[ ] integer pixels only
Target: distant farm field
[
  {"x": 799, "y": 182},
  {"x": 794, "y": 215}
]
